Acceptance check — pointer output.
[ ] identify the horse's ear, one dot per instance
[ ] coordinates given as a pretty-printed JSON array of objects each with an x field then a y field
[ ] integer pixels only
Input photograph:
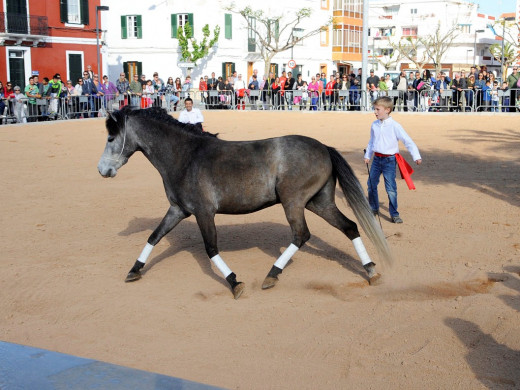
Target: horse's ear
[{"x": 112, "y": 116}]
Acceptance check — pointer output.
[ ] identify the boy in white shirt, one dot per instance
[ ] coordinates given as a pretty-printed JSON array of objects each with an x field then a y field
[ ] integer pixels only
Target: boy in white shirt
[
  {"x": 385, "y": 134},
  {"x": 191, "y": 115}
]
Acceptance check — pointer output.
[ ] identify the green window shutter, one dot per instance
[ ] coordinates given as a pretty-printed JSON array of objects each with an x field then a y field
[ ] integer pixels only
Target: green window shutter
[
  {"x": 232, "y": 68},
  {"x": 228, "y": 28},
  {"x": 139, "y": 68},
  {"x": 83, "y": 9},
  {"x": 174, "y": 25},
  {"x": 224, "y": 71},
  {"x": 139, "y": 22},
  {"x": 125, "y": 69},
  {"x": 64, "y": 17},
  {"x": 123, "y": 27},
  {"x": 277, "y": 29},
  {"x": 190, "y": 21}
]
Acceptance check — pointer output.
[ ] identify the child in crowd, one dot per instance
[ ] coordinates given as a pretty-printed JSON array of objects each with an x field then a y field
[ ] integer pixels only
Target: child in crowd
[
  {"x": 505, "y": 98},
  {"x": 385, "y": 134},
  {"x": 486, "y": 96},
  {"x": 494, "y": 97},
  {"x": 19, "y": 105}
]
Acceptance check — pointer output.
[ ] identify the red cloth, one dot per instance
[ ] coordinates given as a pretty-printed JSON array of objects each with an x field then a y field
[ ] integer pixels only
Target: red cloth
[{"x": 406, "y": 171}]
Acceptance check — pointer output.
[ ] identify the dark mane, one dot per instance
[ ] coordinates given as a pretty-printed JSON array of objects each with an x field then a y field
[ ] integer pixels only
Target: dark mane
[{"x": 115, "y": 121}]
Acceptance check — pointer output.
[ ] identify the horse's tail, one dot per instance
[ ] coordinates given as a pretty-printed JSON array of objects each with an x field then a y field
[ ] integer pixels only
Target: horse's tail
[{"x": 358, "y": 202}]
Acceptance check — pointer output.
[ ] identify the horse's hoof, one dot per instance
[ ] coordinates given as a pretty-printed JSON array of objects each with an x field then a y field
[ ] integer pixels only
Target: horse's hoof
[
  {"x": 375, "y": 280},
  {"x": 269, "y": 282},
  {"x": 238, "y": 290},
  {"x": 133, "y": 276}
]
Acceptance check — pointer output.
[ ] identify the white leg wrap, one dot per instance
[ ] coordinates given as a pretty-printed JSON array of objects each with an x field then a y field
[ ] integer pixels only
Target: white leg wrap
[
  {"x": 361, "y": 251},
  {"x": 145, "y": 253},
  {"x": 222, "y": 267},
  {"x": 286, "y": 256}
]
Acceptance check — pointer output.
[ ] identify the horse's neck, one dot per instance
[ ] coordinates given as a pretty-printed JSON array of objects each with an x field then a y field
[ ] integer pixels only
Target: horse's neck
[{"x": 168, "y": 152}]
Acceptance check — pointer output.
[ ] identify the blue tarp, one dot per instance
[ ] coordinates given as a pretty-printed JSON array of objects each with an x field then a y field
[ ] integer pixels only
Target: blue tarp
[{"x": 27, "y": 368}]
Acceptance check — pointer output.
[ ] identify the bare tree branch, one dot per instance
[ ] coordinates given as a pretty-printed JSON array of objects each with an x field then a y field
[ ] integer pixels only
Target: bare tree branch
[{"x": 276, "y": 34}]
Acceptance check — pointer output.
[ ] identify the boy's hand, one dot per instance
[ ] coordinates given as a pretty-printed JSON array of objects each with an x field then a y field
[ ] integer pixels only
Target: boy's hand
[
  {"x": 418, "y": 162},
  {"x": 367, "y": 160}
]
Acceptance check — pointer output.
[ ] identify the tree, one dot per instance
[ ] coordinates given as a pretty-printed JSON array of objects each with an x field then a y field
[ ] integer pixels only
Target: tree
[
  {"x": 275, "y": 34},
  {"x": 198, "y": 50},
  {"x": 389, "y": 59},
  {"x": 511, "y": 37},
  {"x": 437, "y": 44},
  {"x": 410, "y": 47}
]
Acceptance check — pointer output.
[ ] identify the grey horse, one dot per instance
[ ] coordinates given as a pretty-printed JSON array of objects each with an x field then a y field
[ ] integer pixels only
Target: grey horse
[{"x": 204, "y": 175}]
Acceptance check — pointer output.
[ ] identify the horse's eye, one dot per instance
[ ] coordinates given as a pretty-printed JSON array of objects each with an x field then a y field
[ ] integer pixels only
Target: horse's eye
[{"x": 111, "y": 138}]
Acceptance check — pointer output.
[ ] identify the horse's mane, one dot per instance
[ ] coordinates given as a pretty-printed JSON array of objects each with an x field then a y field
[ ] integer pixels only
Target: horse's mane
[{"x": 116, "y": 120}]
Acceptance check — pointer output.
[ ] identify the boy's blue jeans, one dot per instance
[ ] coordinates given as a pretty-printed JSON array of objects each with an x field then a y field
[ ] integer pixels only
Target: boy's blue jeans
[{"x": 387, "y": 167}]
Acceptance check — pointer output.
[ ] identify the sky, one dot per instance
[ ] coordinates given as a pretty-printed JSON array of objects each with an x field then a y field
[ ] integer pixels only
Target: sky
[
  {"x": 492, "y": 7},
  {"x": 496, "y": 7}
]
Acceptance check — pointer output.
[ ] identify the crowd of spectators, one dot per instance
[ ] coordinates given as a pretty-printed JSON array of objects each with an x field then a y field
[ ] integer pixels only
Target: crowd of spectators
[
  {"x": 88, "y": 96},
  {"x": 477, "y": 90}
]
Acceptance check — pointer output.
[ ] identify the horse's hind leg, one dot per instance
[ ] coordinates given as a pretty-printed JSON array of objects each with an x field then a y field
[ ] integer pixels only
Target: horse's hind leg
[
  {"x": 208, "y": 230},
  {"x": 170, "y": 220},
  {"x": 323, "y": 205},
  {"x": 300, "y": 231}
]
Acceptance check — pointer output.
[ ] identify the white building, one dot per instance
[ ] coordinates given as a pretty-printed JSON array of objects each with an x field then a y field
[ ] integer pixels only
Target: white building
[
  {"x": 392, "y": 20},
  {"x": 141, "y": 37}
]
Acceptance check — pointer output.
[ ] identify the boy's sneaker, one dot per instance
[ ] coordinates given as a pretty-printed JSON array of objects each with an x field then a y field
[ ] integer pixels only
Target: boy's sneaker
[{"x": 397, "y": 219}]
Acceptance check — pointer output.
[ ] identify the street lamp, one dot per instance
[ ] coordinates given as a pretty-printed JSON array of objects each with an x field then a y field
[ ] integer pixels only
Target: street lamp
[
  {"x": 99, "y": 8},
  {"x": 475, "y": 46}
]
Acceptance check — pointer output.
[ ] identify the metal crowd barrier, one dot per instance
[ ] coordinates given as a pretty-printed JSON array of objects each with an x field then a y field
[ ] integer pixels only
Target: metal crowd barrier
[{"x": 76, "y": 107}]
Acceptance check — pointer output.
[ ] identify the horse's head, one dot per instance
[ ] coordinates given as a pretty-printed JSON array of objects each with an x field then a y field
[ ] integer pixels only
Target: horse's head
[{"x": 119, "y": 147}]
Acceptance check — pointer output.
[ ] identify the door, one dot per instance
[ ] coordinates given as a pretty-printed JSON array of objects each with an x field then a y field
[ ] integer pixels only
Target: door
[
  {"x": 273, "y": 68},
  {"x": 249, "y": 70},
  {"x": 17, "y": 16},
  {"x": 228, "y": 68},
  {"x": 75, "y": 67},
  {"x": 17, "y": 68},
  {"x": 132, "y": 68}
]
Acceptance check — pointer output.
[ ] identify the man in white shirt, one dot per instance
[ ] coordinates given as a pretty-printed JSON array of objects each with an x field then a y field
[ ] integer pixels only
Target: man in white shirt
[{"x": 191, "y": 115}]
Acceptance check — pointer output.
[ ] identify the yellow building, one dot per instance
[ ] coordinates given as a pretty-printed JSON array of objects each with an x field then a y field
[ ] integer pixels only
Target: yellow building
[{"x": 347, "y": 34}]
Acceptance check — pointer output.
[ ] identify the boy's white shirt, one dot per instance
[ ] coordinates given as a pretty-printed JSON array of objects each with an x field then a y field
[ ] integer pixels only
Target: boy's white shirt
[{"x": 385, "y": 136}]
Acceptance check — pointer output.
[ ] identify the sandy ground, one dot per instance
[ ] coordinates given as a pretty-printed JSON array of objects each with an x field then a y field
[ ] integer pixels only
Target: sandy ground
[{"x": 446, "y": 316}]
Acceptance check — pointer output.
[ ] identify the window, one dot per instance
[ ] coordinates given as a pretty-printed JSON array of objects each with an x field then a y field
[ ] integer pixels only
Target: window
[
  {"x": 179, "y": 21},
  {"x": 298, "y": 33},
  {"x": 348, "y": 39},
  {"x": 324, "y": 37},
  {"x": 413, "y": 11},
  {"x": 74, "y": 11},
  {"x": 251, "y": 35},
  {"x": 410, "y": 32},
  {"x": 228, "y": 26},
  {"x": 324, "y": 4},
  {"x": 465, "y": 28},
  {"x": 274, "y": 28},
  {"x": 131, "y": 27}
]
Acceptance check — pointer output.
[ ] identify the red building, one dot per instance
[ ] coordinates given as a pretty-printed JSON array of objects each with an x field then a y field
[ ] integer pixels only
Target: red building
[{"x": 45, "y": 37}]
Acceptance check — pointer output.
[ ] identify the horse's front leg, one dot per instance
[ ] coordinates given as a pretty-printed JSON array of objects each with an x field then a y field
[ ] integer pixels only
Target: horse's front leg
[
  {"x": 170, "y": 220},
  {"x": 208, "y": 230}
]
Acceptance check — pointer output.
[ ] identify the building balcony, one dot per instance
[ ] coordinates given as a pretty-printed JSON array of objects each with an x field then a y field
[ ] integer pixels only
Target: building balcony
[{"x": 18, "y": 29}]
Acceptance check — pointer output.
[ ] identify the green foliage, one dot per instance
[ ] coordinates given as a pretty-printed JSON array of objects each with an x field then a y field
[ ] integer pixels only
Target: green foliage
[{"x": 198, "y": 50}]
